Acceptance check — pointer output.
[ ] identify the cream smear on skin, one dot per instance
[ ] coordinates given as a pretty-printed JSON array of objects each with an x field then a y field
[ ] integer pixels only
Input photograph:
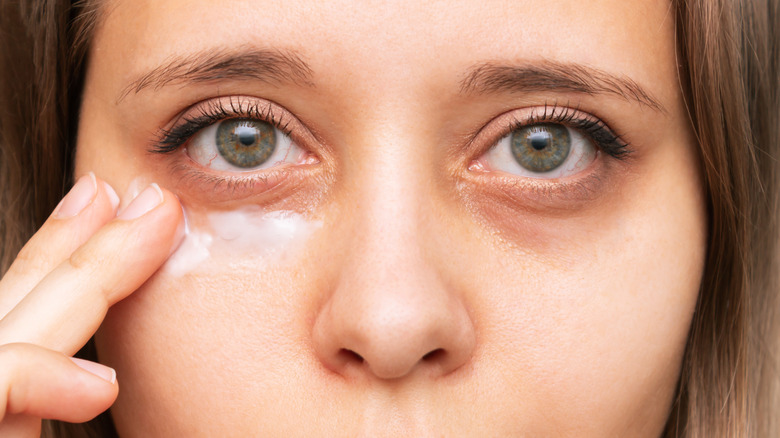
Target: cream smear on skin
[{"x": 245, "y": 230}]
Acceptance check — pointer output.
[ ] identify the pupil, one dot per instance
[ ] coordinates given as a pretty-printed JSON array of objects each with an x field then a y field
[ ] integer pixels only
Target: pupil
[
  {"x": 247, "y": 136},
  {"x": 539, "y": 140}
]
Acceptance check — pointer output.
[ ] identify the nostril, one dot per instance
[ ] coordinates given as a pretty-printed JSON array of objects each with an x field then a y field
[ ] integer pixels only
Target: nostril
[
  {"x": 433, "y": 355},
  {"x": 350, "y": 356}
]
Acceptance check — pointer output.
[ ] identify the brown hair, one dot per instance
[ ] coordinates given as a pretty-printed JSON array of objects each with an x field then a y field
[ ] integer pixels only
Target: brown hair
[
  {"x": 730, "y": 77},
  {"x": 729, "y": 64}
]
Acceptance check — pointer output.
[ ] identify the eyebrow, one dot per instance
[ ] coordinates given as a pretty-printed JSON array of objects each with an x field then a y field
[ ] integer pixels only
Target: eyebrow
[
  {"x": 490, "y": 77},
  {"x": 268, "y": 65}
]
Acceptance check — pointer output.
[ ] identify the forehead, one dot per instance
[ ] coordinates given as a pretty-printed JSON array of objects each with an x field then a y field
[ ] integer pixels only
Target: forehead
[{"x": 405, "y": 43}]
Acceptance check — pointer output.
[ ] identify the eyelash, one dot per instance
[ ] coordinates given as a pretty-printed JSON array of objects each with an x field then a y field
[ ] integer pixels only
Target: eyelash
[
  {"x": 592, "y": 127},
  {"x": 170, "y": 140}
]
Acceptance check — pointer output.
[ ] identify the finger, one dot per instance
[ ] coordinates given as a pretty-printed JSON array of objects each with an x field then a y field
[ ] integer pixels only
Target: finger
[
  {"x": 68, "y": 305},
  {"x": 89, "y": 205},
  {"x": 20, "y": 426},
  {"x": 42, "y": 383}
]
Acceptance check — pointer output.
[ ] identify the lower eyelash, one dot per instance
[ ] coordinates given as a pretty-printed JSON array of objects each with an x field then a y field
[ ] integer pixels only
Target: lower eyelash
[
  {"x": 592, "y": 127},
  {"x": 170, "y": 140},
  {"x": 229, "y": 185}
]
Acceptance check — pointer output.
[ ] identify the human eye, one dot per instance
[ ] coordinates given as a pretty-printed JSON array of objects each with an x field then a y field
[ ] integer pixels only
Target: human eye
[
  {"x": 242, "y": 145},
  {"x": 551, "y": 143},
  {"x": 233, "y": 141}
]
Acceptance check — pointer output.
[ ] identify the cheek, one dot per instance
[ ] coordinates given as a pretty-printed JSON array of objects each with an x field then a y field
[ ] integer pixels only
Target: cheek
[
  {"x": 219, "y": 326},
  {"x": 209, "y": 341},
  {"x": 592, "y": 327}
]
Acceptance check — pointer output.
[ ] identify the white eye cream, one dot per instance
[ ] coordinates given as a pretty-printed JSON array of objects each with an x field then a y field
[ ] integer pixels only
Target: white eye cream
[
  {"x": 193, "y": 250},
  {"x": 247, "y": 230},
  {"x": 249, "y": 227}
]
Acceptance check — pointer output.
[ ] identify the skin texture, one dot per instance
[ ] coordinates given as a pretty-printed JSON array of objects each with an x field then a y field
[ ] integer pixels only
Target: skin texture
[{"x": 437, "y": 297}]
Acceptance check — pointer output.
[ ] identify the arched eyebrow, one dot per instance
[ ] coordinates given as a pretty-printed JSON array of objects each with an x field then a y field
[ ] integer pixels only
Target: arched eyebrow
[
  {"x": 268, "y": 65},
  {"x": 491, "y": 77}
]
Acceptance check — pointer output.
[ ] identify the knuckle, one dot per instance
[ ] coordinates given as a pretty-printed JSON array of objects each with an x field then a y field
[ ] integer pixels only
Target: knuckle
[
  {"x": 94, "y": 255},
  {"x": 30, "y": 259},
  {"x": 9, "y": 354},
  {"x": 15, "y": 386},
  {"x": 79, "y": 260},
  {"x": 92, "y": 266},
  {"x": 10, "y": 358},
  {"x": 86, "y": 259}
]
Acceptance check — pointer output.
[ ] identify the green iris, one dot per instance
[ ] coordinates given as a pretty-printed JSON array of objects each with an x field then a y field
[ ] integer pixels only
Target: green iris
[
  {"x": 542, "y": 147},
  {"x": 246, "y": 142}
]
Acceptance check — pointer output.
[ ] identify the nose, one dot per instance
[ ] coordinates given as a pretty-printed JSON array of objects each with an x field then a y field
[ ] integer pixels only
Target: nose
[
  {"x": 393, "y": 324},
  {"x": 392, "y": 312}
]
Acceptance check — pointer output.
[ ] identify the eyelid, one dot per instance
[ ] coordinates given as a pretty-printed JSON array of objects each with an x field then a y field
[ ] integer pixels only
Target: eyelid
[
  {"x": 204, "y": 113},
  {"x": 575, "y": 118}
]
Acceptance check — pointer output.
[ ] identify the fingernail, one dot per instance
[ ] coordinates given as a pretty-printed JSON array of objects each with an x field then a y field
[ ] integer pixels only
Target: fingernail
[
  {"x": 181, "y": 231},
  {"x": 78, "y": 198},
  {"x": 112, "y": 196},
  {"x": 151, "y": 197},
  {"x": 102, "y": 371}
]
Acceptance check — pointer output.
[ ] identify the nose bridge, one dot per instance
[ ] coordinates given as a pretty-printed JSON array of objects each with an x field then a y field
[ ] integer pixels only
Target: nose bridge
[
  {"x": 391, "y": 311},
  {"x": 390, "y": 213},
  {"x": 389, "y": 179},
  {"x": 394, "y": 186}
]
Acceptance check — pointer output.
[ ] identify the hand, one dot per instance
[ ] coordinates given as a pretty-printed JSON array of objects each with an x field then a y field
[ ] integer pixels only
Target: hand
[{"x": 55, "y": 295}]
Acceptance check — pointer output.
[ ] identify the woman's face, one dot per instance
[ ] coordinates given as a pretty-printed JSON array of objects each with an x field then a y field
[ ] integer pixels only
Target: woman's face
[{"x": 486, "y": 218}]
